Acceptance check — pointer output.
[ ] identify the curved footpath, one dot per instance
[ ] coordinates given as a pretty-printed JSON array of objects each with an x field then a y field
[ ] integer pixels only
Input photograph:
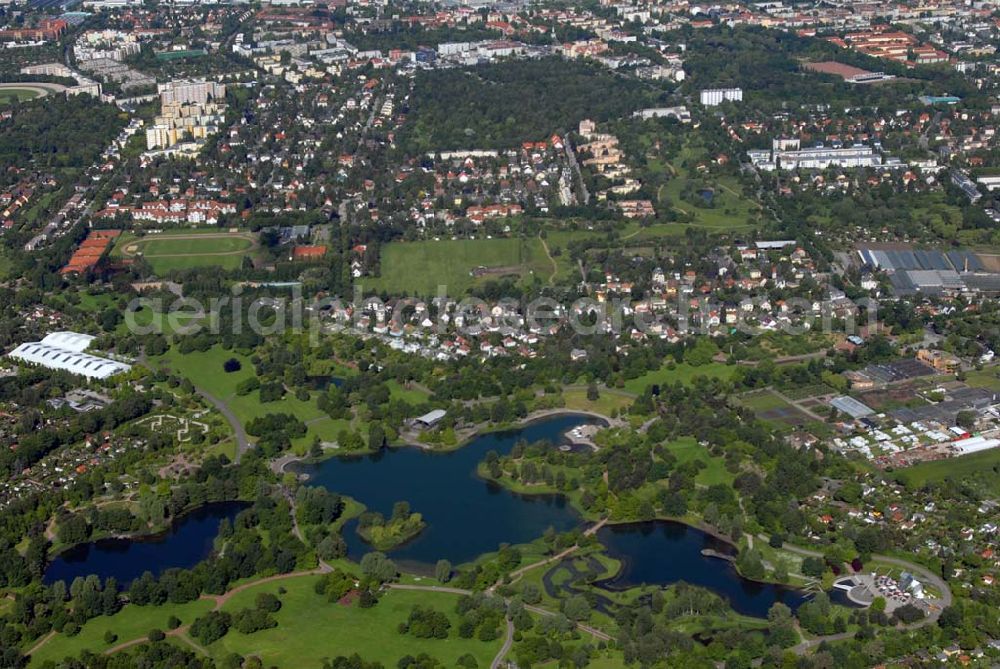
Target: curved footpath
[{"x": 242, "y": 441}]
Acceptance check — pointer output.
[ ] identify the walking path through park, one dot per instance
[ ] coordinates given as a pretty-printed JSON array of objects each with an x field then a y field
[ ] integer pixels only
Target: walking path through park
[
  {"x": 518, "y": 573},
  {"x": 555, "y": 265},
  {"x": 508, "y": 641},
  {"x": 41, "y": 642},
  {"x": 242, "y": 441}
]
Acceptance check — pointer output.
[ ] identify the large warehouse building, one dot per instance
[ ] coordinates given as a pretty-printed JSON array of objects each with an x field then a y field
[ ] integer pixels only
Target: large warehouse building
[{"x": 65, "y": 350}]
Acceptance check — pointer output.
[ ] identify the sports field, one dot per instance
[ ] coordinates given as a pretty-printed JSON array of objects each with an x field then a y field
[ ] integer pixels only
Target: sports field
[
  {"x": 8, "y": 95},
  {"x": 28, "y": 90},
  {"x": 418, "y": 268},
  {"x": 185, "y": 249}
]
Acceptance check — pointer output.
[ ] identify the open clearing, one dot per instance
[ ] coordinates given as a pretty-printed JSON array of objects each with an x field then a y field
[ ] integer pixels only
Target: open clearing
[
  {"x": 683, "y": 373},
  {"x": 310, "y": 629},
  {"x": 186, "y": 249},
  {"x": 418, "y": 268},
  {"x": 332, "y": 628},
  {"x": 204, "y": 369},
  {"x": 131, "y": 622},
  {"x": 687, "y": 449},
  {"x": 957, "y": 468},
  {"x": 771, "y": 407}
]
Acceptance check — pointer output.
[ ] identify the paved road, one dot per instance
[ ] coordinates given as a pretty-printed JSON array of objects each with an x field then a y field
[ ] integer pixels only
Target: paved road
[
  {"x": 242, "y": 441},
  {"x": 505, "y": 648}
]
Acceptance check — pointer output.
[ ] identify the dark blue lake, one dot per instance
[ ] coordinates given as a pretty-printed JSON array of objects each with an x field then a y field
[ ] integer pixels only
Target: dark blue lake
[
  {"x": 185, "y": 544},
  {"x": 466, "y": 516},
  {"x": 663, "y": 552}
]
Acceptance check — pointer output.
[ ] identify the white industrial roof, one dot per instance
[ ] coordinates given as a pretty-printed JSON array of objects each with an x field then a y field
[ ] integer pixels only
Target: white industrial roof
[
  {"x": 71, "y": 341},
  {"x": 851, "y": 407},
  {"x": 47, "y": 354},
  {"x": 432, "y": 417}
]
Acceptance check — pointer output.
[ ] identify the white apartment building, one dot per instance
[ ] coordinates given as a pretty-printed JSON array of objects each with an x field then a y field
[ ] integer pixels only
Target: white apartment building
[{"x": 711, "y": 97}]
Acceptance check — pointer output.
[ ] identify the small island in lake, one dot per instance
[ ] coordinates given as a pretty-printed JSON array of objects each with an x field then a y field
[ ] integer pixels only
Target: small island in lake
[{"x": 384, "y": 534}]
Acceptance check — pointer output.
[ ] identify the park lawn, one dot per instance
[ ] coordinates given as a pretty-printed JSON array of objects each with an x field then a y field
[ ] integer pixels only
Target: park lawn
[
  {"x": 605, "y": 404},
  {"x": 683, "y": 373},
  {"x": 130, "y": 623},
  {"x": 608, "y": 659},
  {"x": 413, "y": 396},
  {"x": 310, "y": 629},
  {"x": 418, "y": 268},
  {"x": 204, "y": 369},
  {"x": 731, "y": 210},
  {"x": 958, "y": 468},
  {"x": 687, "y": 449},
  {"x": 558, "y": 242}
]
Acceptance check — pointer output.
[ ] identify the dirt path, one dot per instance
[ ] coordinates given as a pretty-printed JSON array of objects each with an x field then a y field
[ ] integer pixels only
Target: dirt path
[
  {"x": 220, "y": 600},
  {"x": 174, "y": 633},
  {"x": 41, "y": 642},
  {"x": 555, "y": 265}
]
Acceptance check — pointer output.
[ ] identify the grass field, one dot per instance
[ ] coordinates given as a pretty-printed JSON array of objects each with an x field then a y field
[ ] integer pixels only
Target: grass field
[
  {"x": 763, "y": 401},
  {"x": 772, "y": 408},
  {"x": 310, "y": 629},
  {"x": 418, "y": 268},
  {"x": 9, "y": 95},
  {"x": 957, "y": 468},
  {"x": 983, "y": 378},
  {"x": 409, "y": 395},
  {"x": 686, "y": 449},
  {"x": 131, "y": 622},
  {"x": 730, "y": 209},
  {"x": 179, "y": 55},
  {"x": 683, "y": 373},
  {"x": 605, "y": 404},
  {"x": 805, "y": 392},
  {"x": 205, "y": 371},
  {"x": 186, "y": 249}
]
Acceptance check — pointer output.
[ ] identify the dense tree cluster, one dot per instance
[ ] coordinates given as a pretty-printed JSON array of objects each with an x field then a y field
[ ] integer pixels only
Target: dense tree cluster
[{"x": 504, "y": 104}]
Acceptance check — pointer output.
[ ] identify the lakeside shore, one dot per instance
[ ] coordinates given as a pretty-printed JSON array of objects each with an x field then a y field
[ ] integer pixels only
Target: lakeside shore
[{"x": 467, "y": 435}]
